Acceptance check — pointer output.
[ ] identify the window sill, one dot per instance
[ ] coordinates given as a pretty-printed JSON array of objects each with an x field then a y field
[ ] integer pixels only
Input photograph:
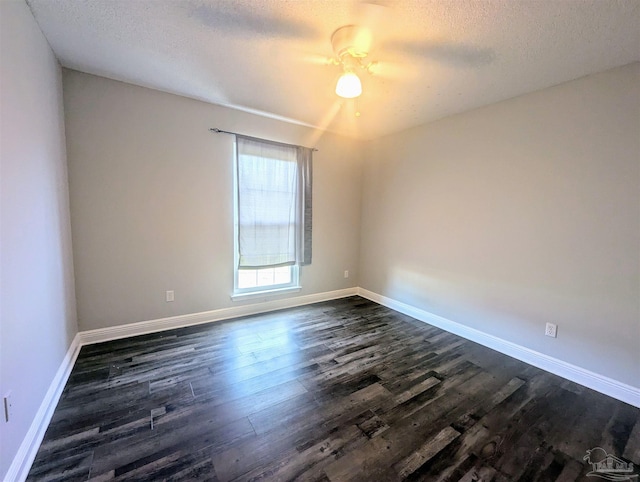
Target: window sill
[{"x": 266, "y": 293}]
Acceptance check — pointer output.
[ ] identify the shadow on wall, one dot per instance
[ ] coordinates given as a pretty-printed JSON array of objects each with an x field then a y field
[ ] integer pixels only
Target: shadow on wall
[{"x": 461, "y": 299}]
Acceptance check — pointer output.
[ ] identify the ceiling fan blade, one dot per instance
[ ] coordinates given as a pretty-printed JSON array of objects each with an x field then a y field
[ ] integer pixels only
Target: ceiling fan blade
[
  {"x": 451, "y": 54},
  {"x": 237, "y": 19},
  {"x": 369, "y": 17},
  {"x": 304, "y": 56},
  {"x": 388, "y": 70},
  {"x": 370, "y": 14}
]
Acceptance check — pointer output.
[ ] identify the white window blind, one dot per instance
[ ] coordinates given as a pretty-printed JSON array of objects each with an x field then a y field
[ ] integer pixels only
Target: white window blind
[{"x": 274, "y": 204}]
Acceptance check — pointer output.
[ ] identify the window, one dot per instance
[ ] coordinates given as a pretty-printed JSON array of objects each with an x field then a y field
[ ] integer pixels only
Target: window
[
  {"x": 267, "y": 278},
  {"x": 272, "y": 215}
]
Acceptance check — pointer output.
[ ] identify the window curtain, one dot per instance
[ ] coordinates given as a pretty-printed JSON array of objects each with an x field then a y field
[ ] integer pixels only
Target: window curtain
[
  {"x": 305, "y": 169},
  {"x": 274, "y": 203}
]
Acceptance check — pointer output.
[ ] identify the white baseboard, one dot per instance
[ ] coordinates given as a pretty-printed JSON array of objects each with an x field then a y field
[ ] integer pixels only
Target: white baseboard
[
  {"x": 595, "y": 381},
  {"x": 143, "y": 327},
  {"x": 19, "y": 468}
]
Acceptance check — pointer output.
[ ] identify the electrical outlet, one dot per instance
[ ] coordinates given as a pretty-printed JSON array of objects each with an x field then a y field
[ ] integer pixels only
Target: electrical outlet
[
  {"x": 8, "y": 407},
  {"x": 170, "y": 296},
  {"x": 551, "y": 330},
  {"x": 346, "y": 273}
]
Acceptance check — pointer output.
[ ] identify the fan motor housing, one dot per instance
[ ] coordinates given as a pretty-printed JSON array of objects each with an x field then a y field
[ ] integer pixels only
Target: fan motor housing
[{"x": 352, "y": 40}]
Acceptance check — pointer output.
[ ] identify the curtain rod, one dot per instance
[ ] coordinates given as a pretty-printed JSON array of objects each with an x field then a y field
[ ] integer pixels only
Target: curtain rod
[{"x": 220, "y": 131}]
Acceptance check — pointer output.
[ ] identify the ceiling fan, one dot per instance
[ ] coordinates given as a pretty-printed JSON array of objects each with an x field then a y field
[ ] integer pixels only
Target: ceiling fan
[{"x": 351, "y": 45}]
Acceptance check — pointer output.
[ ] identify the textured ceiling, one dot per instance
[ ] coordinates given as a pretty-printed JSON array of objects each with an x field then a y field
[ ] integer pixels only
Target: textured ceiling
[{"x": 435, "y": 57}]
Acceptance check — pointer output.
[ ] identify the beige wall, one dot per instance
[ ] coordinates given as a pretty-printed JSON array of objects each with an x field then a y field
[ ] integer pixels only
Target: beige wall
[
  {"x": 151, "y": 201},
  {"x": 37, "y": 313},
  {"x": 517, "y": 214}
]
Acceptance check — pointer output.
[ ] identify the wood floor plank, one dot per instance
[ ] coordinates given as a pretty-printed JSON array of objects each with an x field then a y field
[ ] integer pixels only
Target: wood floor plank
[
  {"x": 424, "y": 453},
  {"x": 475, "y": 426},
  {"x": 343, "y": 390},
  {"x": 480, "y": 474},
  {"x": 405, "y": 435},
  {"x": 299, "y": 462},
  {"x": 632, "y": 447}
]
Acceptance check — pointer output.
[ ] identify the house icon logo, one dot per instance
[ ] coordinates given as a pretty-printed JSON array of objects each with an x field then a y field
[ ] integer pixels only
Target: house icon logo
[{"x": 609, "y": 467}]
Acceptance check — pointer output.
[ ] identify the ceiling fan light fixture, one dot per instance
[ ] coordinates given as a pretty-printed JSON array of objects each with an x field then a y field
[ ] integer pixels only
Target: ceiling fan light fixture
[{"x": 349, "y": 86}]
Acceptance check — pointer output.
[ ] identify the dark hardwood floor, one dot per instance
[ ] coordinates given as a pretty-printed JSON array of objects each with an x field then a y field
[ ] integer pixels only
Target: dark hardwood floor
[{"x": 336, "y": 391}]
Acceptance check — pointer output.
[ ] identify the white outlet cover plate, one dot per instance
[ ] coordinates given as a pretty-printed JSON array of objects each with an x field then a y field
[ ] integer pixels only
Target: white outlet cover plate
[{"x": 551, "y": 330}]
